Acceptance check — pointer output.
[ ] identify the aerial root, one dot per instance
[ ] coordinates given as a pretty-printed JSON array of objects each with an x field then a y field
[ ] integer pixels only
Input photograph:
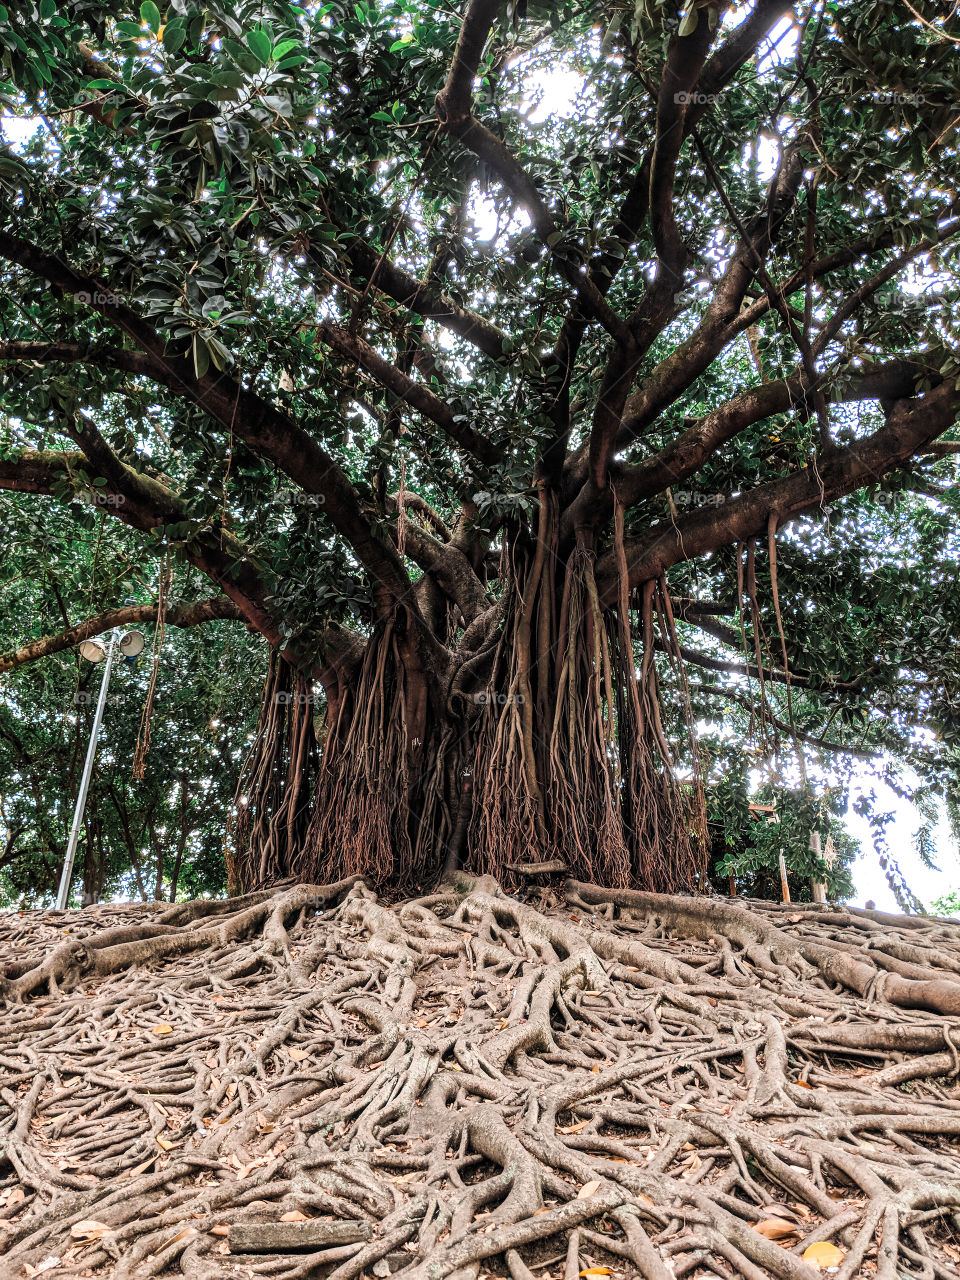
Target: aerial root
[{"x": 312, "y": 1083}]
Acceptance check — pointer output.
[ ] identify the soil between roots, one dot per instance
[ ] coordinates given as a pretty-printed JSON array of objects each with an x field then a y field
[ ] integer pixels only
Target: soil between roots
[{"x": 309, "y": 1082}]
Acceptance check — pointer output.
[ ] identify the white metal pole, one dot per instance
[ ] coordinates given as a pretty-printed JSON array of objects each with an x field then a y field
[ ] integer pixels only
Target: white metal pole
[
  {"x": 67, "y": 874},
  {"x": 818, "y": 886}
]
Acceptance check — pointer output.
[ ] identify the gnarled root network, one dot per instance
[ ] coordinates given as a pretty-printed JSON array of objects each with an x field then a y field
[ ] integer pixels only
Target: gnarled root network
[{"x": 309, "y": 1082}]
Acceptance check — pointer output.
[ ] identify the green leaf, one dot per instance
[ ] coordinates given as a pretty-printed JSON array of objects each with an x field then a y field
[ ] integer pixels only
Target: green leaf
[
  {"x": 173, "y": 37},
  {"x": 688, "y": 23},
  {"x": 258, "y": 42},
  {"x": 201, "y": 356},
  {"x": 150, "y": 15},
  {"x": 48, "y": 9},
  {"x": 219, "y": 354}
]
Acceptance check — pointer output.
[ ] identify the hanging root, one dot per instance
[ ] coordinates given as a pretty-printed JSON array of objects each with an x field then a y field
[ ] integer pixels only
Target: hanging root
[
  {"x": 381, "y": 801},
  {"x": 272, "y": 800},
  {"x": 309, "y": 1083}
]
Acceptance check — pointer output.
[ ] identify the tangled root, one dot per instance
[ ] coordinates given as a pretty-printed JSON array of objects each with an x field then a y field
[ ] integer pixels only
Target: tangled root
[{"x": 308, "y": 1082}]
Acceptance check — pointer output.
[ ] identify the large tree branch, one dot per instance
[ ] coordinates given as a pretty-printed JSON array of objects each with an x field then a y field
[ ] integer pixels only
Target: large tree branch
[
  {"x": 191, "y": 615},
  {"x": 268, "y": 431},
  {"x": 454, "y": 111},
  {"x": 716, "y": 75},
  {"x": 216, "y": 552},
  {"x": 348, "y": 345},
  {"x": 911, "y": 426},
  {"x": 617, "y": 419},
  {"x": 718, "y": 72},
  {"x": 124, "y": 359},
  {"x": 425, "y": 299},
  {"x": 145, "y": 503},
  {"x": 690, "y": 359},
  {"x": 686, "y": 56},
  {"x": 684, "y": 456},
  {"x": 415, "y": 394},
  {"x": 677, "y": 371},
  {"x": 709, "y": 662},
  {"x": 449, "y": 568}
]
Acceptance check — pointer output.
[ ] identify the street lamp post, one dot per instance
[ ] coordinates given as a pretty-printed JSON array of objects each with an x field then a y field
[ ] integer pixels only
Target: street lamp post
[{"x": 130, "y": 644}]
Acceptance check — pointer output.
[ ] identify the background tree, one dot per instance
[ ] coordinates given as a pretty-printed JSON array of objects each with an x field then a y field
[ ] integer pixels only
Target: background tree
[
  {"x": 522, "y": 437},
  {"x": 948, "y": 905},
  {"x": 144, "y": 836}
]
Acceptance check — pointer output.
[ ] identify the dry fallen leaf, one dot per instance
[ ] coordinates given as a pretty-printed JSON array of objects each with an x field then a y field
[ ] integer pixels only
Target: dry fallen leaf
[
  {"x": 822, "y": 1255},
  {"x": 596, "y": 1068},
  {"x": 89, "y": 1229},
  {"x": 298, "y": 1055},
  {"x": 185, "y": 1234},
  {"x": 589, "y": 1189},
  {"x": 596, "y": 1271},
  {"x": 161, "y": 1029},
  {"x": 776, "y": 1228},
  {"x": 294, "y": 1215},
  {"x": 221, "y": 1229},
  {"x": 573, "y": 1128},
  {"x": 165, "y": 1143}
]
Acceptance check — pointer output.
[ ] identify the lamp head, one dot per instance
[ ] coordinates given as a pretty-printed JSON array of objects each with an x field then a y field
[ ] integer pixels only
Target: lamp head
[
  {"x": 131, "y": 644},
  {"x": 92, "y": 650}
]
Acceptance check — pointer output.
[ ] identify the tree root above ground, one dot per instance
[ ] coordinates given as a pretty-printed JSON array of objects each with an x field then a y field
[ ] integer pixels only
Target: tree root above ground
[{"x": 312, "y": 1083}]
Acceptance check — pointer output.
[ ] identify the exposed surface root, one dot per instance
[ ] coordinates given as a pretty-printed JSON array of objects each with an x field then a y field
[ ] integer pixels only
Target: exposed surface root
[{"x": 310, "y": 1083}]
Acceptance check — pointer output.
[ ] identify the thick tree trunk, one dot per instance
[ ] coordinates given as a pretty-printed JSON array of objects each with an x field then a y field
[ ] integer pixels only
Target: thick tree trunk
[{"x": 546, "y": 743}]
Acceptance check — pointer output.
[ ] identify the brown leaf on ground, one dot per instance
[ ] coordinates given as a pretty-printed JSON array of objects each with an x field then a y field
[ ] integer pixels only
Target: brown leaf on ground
[
  {"x": 776, "y": 1228},
  {"x": 89, "y": 1229}
]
